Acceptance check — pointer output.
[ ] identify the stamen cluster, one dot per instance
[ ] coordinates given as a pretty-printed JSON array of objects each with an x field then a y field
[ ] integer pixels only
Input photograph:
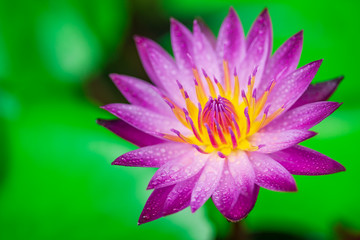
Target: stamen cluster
[{"x": 224, "y": 118}]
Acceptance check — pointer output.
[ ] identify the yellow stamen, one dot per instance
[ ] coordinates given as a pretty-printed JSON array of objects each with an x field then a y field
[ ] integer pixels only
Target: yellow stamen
[
  {"x": 227, "y": 77},
  {"x": 199, "y": 87}
]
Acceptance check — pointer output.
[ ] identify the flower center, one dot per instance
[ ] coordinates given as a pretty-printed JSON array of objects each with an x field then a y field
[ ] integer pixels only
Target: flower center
[
  {"x": 218, "y": 114},
  {"x": 223, "y": 118}
]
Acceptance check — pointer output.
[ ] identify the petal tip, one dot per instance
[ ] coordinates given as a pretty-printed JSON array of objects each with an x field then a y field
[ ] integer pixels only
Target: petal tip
[{"x": 138, "y": 39}]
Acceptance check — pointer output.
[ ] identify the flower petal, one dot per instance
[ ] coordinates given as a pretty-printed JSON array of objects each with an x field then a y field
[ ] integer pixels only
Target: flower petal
[
  {"x": 259, "y": 47},
  {"x": 318, "y": 92},
  {"x": 152, "y": 156},
  {"x": 143, "y": 45},
  {"x": 243, "y": 205},
  {"x": 153, "y": 208},
  {"x": 232, "y": 200},
  {"x": 287, "y": 90},
  {"x": 207, "y": 32},
  {"x": 302, "y": 118},
  {"x": 275, "y": 141},
  {"x": 182, "y": 45},
  {"x": 242, "y": 172},
  {"x": 231, "y": 44},
  {"x": 180, "y": 196},
  {"x": 179, "y": 169},
  {"x": 167, "y": 73},
  {"x": 207, "y": 182},
  {"x": 284, "y": 61},
  {"x": 300, "y": 160},
  {"x": 129, "y": 133},
  {"x": 204, "y": 54},
  {"x": 226, "y": 193},
  {"x": 271, "y": 174},
  {"x": 139, "y": 92},
  {"x": 145, "y": 120}
]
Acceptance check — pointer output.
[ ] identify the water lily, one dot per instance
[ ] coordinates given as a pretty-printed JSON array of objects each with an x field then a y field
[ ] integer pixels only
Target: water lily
[{"x": 223, "y": 119}]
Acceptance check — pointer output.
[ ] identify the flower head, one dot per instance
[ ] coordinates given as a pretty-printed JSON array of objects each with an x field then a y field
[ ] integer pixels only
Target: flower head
[{"x": 224, "y": 118}]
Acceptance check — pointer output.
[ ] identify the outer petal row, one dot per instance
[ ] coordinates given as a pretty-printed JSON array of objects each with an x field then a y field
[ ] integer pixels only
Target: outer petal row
[
  {"x": 276, "y": 141},
  {"x": 284, "y": 61},
  {"x": 300, "y": 160},
  {"x": 141, "y": 93},
  {"x": 318, "y": 92},
  {"x": 129, "y": 133},
  {"x": 153, "y": 156},
  {"x": 302, "y": 118},
  {"x": 145, "y": 120},
  {"x": 287, "y": 90}
]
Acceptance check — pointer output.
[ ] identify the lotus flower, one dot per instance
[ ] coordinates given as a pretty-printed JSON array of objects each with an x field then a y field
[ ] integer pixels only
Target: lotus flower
[{"x": 223, "y": 119}]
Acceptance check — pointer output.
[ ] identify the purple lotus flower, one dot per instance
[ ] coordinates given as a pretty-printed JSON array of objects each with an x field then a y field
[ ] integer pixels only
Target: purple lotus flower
[{"x": 224, "y": 118}]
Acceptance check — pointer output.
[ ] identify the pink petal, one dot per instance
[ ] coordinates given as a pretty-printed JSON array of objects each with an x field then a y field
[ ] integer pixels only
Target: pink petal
[
  {"x": 143, "y": 45},
  {"x": 226, "y": 193},
  {"x": 284, "y": 60},
  {"x": 242, "y": 172},
  {"x": 179, "y": 169},
  {"x": 318, "y": 92},
  {"x": 153, "y": 156},
  {"x": 243, "y": 205},
  {"x": 207, "y": 32},
  {"x": 271, "y": 174},
  {"x": 129, "y": 133},
  {"x": 290, "y": 88},
  {"x": 153, "y": 208},
  {"x": 275, "y": 141},
  {"x": 167, "y": 73},
  {"x": 139, "y": 92},
  {"x": 182, "y": 45},
  {"x": 302, "y": 118},
  {"x": 259, "y": 46},
  {"x": 179, "y": 197},
  {"x": 145, "y": 120},
  {"x": 300, "y": 160},
  {"x": 207, "y": 182},
  {"x": 231, "y": 40},
  {"x": 204, "y": 54}
]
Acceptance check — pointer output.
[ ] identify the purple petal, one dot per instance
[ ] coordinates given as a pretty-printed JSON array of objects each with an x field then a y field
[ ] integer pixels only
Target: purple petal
[
  {"x": 226, "y": 193},
  {"x": 182, "y": 45},
  {"x": 139, "y": 92},
  {"x": 179, "y": 197},
  {"x": 259, "y": 46},
  {"x": 302, "y": 118},
  {"x": 145, "y": 120},
  {"x": 318, "y": 92},
  {"x": 143, "y": 46},
  {"x": 284, "y": 60},
  {"x": 261, "y": 23},
  {"x": 242, "y": 172},
  {"x": 204, "y": 54},
  {"x": 207, "y": 32},
  {"x": 152, "y": 156},
  {"x": 233, "y": 200},
  {"x": 129, "y": 133},
  {"x": 179, "y": 169},
  {"x": 300, "y": 160},
  {"x": 153, "y": 208},
  {"x": 243, "y": 205},
  {"x": 290, "y": 88},
  {"x": 231, "y": 40},
  {"x": 271, "y": 174},
  {"x": 275, "y": 141},
  {"x": 207, "y": 182}
]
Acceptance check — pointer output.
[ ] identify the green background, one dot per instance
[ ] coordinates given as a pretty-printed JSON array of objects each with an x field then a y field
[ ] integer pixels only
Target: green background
[{"x": 56, "y": 181}]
